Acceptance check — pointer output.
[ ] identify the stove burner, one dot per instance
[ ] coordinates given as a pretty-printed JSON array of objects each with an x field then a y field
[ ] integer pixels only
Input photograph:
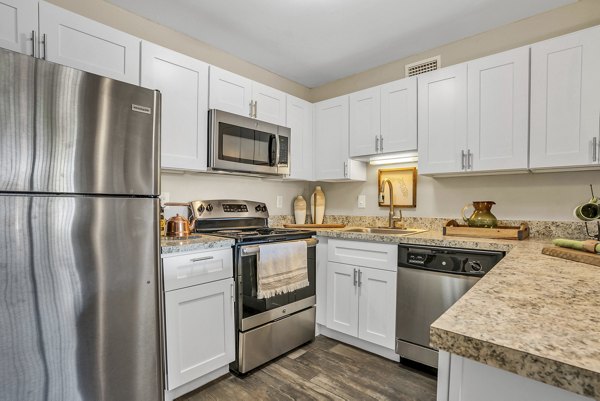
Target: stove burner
[{"x": 229, "y": 231}]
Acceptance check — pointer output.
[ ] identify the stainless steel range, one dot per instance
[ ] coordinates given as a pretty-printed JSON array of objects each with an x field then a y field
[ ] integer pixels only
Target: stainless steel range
[{"x": 266, "y": 327}]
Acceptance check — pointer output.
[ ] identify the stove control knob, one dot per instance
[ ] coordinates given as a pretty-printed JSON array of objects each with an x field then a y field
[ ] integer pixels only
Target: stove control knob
[
  {"x": 200, "y": 209},
  {"x": 257, "y": 208},
  {"x": 209, "y": 208},
  {"x": 263, "y": 208}
]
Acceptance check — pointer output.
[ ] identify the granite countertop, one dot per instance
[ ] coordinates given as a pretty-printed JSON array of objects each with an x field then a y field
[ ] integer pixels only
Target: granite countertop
[
  {"x": 195, "y": 242},
  {"x": 533, "y": 315}
]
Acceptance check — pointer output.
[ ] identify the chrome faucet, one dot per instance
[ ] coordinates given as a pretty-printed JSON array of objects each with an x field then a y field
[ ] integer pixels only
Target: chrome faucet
[{"x": 392, "y": 216}]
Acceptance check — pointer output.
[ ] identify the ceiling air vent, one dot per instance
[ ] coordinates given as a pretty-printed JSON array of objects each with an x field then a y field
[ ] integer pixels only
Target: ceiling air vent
[{"x": 422, "y": 66}]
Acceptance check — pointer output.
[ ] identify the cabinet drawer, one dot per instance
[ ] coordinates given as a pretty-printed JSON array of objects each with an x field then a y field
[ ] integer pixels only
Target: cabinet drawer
[
  {"x": 196, "y": 268},
  {"x": 369, "y": 254}
]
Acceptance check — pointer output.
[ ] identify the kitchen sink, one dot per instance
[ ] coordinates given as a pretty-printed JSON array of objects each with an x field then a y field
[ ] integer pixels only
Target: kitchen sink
[{"x": 384, "y": 230}]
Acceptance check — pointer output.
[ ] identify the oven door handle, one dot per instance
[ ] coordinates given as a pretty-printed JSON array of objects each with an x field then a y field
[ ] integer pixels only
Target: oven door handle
[{"x": 250, "y": 250}]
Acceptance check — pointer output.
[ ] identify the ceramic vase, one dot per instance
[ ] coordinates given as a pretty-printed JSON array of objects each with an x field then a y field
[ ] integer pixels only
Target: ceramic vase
[
  {"x": 317, "y": 205},
  {"x": 300, "y": 209}
]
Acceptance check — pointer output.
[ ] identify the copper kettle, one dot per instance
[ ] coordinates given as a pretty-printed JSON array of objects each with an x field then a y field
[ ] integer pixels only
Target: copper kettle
[{"x": 178, "y": 226}]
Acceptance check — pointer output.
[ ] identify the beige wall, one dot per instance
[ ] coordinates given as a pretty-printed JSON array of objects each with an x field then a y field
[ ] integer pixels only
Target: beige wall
[
  {"x": 583, "y": 14},
  {"x": 186, "y": 187},
  {"x": 133, "y": 24},
  {"x": 539, "y": 196}
]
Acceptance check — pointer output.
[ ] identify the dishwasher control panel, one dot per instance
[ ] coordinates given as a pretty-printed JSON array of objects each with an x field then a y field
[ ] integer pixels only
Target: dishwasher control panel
[{"x": 451, "y": 260}]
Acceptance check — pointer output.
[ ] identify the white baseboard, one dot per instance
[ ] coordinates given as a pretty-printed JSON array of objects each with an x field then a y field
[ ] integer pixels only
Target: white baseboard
[
  {"x": 358, "y": 343},
  {"x": 194, "y": 384}
]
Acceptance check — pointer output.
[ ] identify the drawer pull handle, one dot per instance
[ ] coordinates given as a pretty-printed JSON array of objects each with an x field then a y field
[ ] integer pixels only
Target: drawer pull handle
[{"x": 194, "y": 260}]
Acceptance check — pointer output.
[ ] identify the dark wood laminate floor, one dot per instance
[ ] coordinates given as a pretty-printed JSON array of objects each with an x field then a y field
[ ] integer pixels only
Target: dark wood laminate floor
[{"x": 324, "y": 370}]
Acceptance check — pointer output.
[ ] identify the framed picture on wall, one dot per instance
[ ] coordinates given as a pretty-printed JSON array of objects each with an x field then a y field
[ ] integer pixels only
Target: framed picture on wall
[{"x": 404, "y": 181}]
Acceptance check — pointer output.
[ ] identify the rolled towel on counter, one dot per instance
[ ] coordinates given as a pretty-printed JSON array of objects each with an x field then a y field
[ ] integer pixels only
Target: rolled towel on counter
[{"x": 587, "y": 246}]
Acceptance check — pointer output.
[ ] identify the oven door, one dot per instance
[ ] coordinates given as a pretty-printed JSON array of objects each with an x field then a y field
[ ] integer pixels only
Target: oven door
[
  {"x": 242, "y": 144},
  {"x": 252, "y": 311}
]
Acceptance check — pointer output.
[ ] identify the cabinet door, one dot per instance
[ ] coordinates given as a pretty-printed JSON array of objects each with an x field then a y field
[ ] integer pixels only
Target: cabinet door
[
  {"x": 377, "y": 306},
  {"x": 18, "y": 21},
  {"x": 183, "y": 83},
  {"x": 300, "y": 120},
  {"x": 342, "y": 298},
  {"x": 270, "y": 104},
  {"x": 442, "y": 109},
  {"x": 199, "y": 331},
  {"x": 499, "y": 111},
  {"x": 331, "y": 138},
  {"x": 365, "y": 122},
  {"x": 87, "y": 45},
  {"x": 565, "y": 100},
  {"x": 230, "y": 92},
  {"x": 399, "y": 116}
]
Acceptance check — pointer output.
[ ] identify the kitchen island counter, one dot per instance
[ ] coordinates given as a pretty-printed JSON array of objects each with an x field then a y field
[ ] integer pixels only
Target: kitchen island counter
[{"x": 533, "y": 315}]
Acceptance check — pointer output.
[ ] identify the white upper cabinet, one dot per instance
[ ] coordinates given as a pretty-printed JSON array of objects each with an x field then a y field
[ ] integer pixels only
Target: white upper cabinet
[
  {"x": 235, "y": 94},
  {"x": 443, "y": 120},
  {"x": 300, "y": 120},
  {"x": 399, "y": 116},
  {"x": 473, "y": 117},
  {"x": 269, "y": 104},
  {"x": 383, "y": 119},
  {"x": 565, "y": 100},
  {"x": 230, "y": 92},
  {"x": 18, "y": 25},
  {"x": 75, "y": 41},
  {"x": 183, "y": 83},
  {"x": 498, "y": 111},
  {"x": 331, "y": 142},
  {"x": 365, "y": 122}
]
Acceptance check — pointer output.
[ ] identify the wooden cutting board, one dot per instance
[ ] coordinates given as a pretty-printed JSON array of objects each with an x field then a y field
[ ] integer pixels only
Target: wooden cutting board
[
  {"x": 314, "y": 225},
  {"x": 572, "y": 254}
]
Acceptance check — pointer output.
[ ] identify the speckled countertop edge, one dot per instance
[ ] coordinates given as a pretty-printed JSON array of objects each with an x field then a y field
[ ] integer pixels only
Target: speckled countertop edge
[
  {"x": 533, "y": 315},
  {"x": 195, "y": 242}
]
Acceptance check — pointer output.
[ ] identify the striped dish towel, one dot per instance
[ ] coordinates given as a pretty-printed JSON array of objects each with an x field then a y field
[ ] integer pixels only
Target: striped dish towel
[{"x": 282, "y": 267}]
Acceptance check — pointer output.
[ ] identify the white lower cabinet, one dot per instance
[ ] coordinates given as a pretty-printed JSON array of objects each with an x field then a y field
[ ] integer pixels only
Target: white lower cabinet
[
  {"x": 342, "y": 298},
  {"x": 361, "y": 300},
  {"x": 377, "y": 306},
  {"x": 199, "y": 317},
  {"x": 200, "y": 330},
  {"x": 462, "y": 379}
]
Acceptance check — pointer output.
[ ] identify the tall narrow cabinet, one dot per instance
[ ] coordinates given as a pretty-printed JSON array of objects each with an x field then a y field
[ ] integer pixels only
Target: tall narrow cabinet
[{"x": 183, "y": 83}]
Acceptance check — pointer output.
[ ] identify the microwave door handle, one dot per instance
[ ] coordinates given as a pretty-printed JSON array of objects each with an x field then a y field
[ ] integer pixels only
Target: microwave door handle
[
  {"x": 277, "y": 155},
  {"x": 273, "y": 143}
]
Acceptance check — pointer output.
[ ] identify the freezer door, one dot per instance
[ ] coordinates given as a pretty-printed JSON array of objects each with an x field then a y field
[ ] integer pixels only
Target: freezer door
[
  {"x": 79, "y": 307},
  {"x": 83, "y": 133}
]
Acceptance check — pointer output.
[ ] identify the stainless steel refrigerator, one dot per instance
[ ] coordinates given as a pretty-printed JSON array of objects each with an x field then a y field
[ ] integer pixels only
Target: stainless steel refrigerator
[{"x": 79, "y": 240}]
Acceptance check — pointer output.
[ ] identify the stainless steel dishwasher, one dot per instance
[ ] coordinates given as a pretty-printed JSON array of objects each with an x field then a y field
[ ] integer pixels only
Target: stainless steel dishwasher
[{"x": 430, "y": 280}]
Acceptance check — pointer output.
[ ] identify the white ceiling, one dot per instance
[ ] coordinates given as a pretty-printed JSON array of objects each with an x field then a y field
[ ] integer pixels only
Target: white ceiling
[{"x": 317, "y": 41}]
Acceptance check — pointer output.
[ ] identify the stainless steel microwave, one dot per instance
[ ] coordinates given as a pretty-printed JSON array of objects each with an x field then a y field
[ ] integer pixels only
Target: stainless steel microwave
[{"x": 246, "y": 145}]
